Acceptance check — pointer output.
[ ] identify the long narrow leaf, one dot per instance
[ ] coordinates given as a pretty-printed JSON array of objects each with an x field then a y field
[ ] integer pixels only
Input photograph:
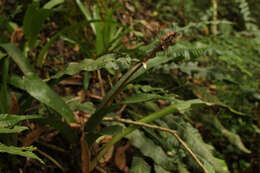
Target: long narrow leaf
[
  {"x": 178, "y": 107},
  {"x": 95, "y": 119},
  {"x": 33, "y": 21},
  {"x": 3, "y": 92},
  {"x": 99, "y": 31},
  {"x": 9, "y": 120},
  {"x": 21, "y": 151},
  {"x": 52, "y": 3},
  {"x": 36, "y": 87},
  {"x": 86, "y": 14}
]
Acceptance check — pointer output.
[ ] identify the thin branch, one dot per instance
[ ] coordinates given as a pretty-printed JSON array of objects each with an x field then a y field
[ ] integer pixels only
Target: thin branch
[
  {"x": 101, "y": 83},
  {"x": 173, "y": 132},
  {"x": 52, "y": 160}
]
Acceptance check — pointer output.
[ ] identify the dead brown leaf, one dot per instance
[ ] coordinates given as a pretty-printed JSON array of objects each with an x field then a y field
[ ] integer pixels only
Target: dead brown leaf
[
  {"x": 85, "y": 154},
  {"x": 32, "y": 136},
  {"x": 120, "y": 157},
  {"x": 13, "y": 105}
]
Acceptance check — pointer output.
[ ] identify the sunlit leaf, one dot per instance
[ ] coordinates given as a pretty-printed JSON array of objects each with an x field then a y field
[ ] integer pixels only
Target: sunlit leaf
[
  {"x": 92, "y": 65},
  {"x": 52, "y": 3},
  {"x": 205, "y": 151},
  {"x": 150, "y": 149},
  {"x": 8, "y": 120},
  {"x": 15, "y": 129},
  {"x": 21, "y": 151},
  {"x": 138, "y": 165}
]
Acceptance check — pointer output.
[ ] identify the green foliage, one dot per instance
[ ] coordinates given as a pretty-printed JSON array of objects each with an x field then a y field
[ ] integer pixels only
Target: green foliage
[
  {"x": 139, "y": 166},
  {"x": 107, "y": 31},
  {"x": 33, "y": 21},
  {"x": 210, "y": 84},
  {"x": 245, "y": 12},
  {"x": 7, "y": 126},
  {"x": 35, "y": 86},
  {"x": 7, "y": 120},
  {"x": 21, "y": 151},
  {"x": 110, "y": 62},
  {"x": 147, "y": 147}
]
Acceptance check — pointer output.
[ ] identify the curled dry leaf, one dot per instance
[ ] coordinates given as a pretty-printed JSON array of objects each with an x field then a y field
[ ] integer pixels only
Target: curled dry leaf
[{"x": 120, "y": 157}]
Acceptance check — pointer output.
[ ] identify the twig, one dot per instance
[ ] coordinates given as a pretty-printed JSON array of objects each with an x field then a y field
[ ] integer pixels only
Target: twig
[
  {"x": 52, "y": 160},
  {"x": 53, "y": 147},
  {"x": 94, "y": 96},
  {"x": 101, "y": 170},
  {"x": 165, "y": 42},
  {"x": 101, "y": 83},
  {"x": 173, "y": 132},
  {"x": 121, "y": 110}
]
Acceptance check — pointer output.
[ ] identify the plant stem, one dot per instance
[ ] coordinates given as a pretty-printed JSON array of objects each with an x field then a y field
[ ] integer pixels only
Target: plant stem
[
  {"x": 215, "y": 16},
  {"x": 96, "y": 118},
  {"x": 128, "y": 130},
  {"x": 173, "y": 132}
]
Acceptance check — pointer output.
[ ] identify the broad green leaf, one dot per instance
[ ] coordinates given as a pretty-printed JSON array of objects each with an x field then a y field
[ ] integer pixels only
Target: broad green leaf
[
  {"x": 202, "y": 93},
  {"x": 233, "y": 138},
  {"x": 33, "y": 21},
  {"x": 21, "y": 151},
  {"x": 15, "y": 129},
  {"x": 75, "y": 105},
  {"x": 95, "y": 120},
  {"x": 138, "y": 165},
  {"x": 182, "y": 168},
  {"x": 111, "y": 130},
  {"x": 150, "y": 149},
  {"x": 234, "y": 60},
  {"x": 210, "y": 168},
  {"x": 195, "y": 142},
  {"x": 148, "y": 88},
  {"x": 158, "y": 60},
  {"x": 144, "y": 97},
  {"x": 36, "y": 87},
  {"x": 178, "y": 106},
  {"x": 159, "y": 169},
  {"x": 15, "y": 53},
  {"x": 52, "y": 3},
  {"x": 9, "y": 120},
  {"x": 42, "y": 92},
  {"x": 93, "y": 65}
]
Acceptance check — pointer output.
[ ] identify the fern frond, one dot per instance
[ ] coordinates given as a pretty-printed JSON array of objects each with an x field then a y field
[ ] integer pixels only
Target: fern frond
[
  {"x": 245, "y": 11},
  {"x": 186, "y": 53}
]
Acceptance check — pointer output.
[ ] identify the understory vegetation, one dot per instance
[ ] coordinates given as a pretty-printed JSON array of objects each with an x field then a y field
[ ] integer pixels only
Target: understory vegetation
[{"x": 158, "y": 86}]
